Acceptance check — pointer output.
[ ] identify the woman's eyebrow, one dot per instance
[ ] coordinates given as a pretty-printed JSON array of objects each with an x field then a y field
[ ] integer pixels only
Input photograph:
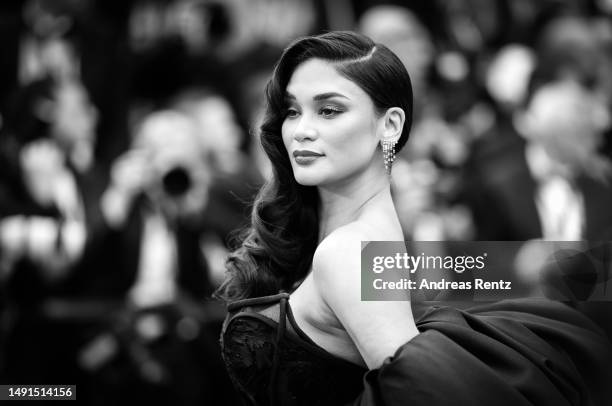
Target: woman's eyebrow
[
  {"x": 329, "y": 95},
  {"x": 319, "y": 97}
]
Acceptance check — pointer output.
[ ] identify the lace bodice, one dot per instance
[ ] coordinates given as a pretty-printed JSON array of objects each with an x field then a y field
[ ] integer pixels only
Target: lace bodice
[{"x": 272, "y": 362}]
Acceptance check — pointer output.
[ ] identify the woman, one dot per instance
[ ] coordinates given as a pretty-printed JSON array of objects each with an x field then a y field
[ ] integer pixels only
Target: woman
[{"x": 339, "y": 106}]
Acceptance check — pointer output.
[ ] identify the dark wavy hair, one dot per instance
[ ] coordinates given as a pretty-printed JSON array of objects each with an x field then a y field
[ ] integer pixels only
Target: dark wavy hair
[{"x": 277, "y": 248}]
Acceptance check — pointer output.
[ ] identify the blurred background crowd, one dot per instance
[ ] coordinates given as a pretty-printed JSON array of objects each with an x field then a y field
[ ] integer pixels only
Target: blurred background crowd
[{"x": 129, "y": 154}]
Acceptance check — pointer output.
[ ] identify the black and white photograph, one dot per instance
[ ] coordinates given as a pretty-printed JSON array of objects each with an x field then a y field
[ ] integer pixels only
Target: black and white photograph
[{"x": 306, "y": 202}]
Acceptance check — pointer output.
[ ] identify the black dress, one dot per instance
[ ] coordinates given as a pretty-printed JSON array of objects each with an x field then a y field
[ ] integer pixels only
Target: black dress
[
  {"x": 272, "y": 362},
  {"x": 519, "y": 352}
]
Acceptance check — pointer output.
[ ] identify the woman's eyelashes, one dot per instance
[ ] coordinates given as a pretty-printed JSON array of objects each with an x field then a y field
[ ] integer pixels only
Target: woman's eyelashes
[
  {"x": 327, "y": 111},
  {"x": 291, "y": 112},
  {"x": 330, "y": 111}
]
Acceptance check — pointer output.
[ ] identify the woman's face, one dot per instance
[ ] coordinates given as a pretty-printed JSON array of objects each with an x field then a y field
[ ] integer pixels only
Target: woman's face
[{"x": 330, "y": 127}]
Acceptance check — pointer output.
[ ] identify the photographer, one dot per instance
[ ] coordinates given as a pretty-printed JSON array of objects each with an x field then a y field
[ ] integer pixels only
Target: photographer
[
  {"x": 155, "y": 205},
  {"x": 160, "y": 187}
]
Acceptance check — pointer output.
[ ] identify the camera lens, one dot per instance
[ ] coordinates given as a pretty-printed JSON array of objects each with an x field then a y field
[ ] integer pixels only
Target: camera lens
[{"x": 176, "y": 182}]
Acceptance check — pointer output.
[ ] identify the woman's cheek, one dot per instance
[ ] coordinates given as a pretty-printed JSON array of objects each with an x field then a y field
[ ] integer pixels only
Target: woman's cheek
[{"x": 286, "y": 132}]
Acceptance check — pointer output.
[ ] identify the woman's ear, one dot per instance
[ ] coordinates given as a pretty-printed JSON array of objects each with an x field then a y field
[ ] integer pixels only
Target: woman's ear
[{"x": 392, "y": 124}]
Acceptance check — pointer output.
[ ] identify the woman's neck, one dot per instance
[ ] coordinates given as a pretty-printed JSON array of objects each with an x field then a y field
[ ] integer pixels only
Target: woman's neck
[{"x": 344, "y": 203}]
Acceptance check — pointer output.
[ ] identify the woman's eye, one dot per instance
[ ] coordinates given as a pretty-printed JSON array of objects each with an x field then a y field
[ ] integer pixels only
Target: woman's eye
[
  {"x": 291, "y": 112},
  {"x": 329, "y": 111}
]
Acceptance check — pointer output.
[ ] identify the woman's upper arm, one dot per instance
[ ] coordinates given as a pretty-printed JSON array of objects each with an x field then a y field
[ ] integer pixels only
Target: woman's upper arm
[{"x": 377, "y": 328}]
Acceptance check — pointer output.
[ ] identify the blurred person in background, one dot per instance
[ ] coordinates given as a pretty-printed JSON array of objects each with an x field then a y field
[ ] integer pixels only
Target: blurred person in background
[
  {"x": 163, "y": 177},
  {"x": 48, "y": 147},
  {"x": 39, "y": 42},
  {"x": 50, "y": 224},
  {"x": 541, "y": 172},
  {"x": 64, "y": 38},
  {"x": 51, "y": 227},
  {"x": 157, "y": 206},
  {"x": 550, "y": 180},
  {"x": 569, "y": 183}
]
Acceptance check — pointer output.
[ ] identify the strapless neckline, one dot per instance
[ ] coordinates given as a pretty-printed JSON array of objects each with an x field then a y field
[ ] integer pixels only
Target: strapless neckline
[{"x": 243, "y": 308}]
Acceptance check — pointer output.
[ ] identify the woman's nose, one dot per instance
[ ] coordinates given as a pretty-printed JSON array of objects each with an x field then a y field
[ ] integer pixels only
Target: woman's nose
[{"x": 305, "y": 130}]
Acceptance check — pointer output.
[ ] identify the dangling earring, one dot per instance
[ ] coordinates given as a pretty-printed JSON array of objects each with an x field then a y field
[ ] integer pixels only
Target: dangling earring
[{"x": 388, "y": 148}]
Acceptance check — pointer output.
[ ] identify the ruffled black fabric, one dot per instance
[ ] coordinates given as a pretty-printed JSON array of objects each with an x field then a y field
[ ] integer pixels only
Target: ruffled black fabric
[{"x": 522, "y": 352}]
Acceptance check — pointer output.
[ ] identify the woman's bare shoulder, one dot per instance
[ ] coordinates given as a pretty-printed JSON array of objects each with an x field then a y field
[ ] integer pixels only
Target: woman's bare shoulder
[
  {"x": 340, "y": 252},
  {"x": 344, "y": 240},
  {"x": 348, "y": 239},
  {"x": 336, "y": 265},
  {"x": 337, "y": 279}
]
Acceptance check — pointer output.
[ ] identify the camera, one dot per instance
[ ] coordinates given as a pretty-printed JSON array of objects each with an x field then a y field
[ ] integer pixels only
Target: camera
[
  {"x": 181, "y": 186},
  {"x": 176, "y": 182},
  {"x": 174, "y": 163}
]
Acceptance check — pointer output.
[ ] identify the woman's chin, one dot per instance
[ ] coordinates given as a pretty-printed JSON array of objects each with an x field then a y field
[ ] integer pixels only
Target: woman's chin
[
  {"x": 307, "y": 178},
  {"x": 307, "y": 181}
]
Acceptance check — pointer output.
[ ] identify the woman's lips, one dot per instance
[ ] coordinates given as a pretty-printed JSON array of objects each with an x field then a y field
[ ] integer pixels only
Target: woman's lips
[{"x": 305, "y": 157}]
